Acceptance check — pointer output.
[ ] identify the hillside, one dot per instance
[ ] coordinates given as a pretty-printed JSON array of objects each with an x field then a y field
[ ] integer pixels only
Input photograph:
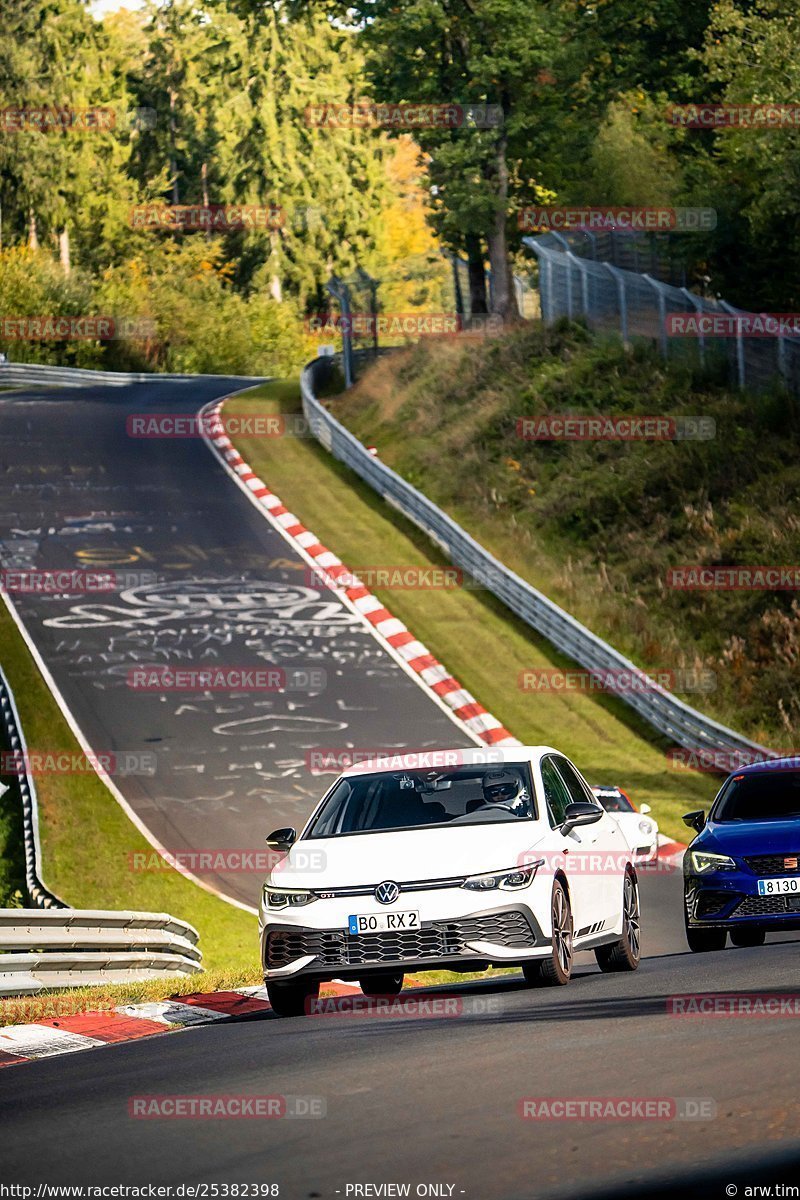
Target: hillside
[{"x": 597, "y": 525}]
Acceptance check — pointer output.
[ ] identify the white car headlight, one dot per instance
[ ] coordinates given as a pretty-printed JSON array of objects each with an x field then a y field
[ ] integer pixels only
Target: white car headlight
[
  {"x": 512, "y": 880},
  {"x": 275, "y": 897},
  {"x": 702, "y": 861},
  {"x": 645, "y": 827}
]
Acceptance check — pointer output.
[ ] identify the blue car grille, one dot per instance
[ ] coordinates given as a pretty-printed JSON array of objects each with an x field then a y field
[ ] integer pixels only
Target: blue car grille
[
  {"x": 775, "y": 864},
  {"x": 767, "y": 906}
]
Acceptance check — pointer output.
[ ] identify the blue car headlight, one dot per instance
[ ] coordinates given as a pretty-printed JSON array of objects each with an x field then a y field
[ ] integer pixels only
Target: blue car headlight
[{"x": 704, "y": 862}]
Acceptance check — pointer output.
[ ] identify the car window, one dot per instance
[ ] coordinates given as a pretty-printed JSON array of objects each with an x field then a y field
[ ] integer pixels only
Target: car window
[
  {"x": 411, "y": 799},
  {"x": 613, "y": 800},
  {"x": 555, "y": 793},
  {"x": 570, "y": 776},
  {"x": 765, "y": 796}
]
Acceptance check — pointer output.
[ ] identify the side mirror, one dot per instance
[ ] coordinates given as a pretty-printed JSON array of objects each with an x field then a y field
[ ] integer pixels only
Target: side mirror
[
  {"x": 581, "y": 812},
  {"x": 695, "y": 820},
  {"x": 282, "y": 839},
  {"x": 645, "y": 808}
]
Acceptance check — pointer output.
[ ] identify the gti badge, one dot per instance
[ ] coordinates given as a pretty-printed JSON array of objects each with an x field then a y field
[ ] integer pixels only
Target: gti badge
[{"x": 387, "y": 892}]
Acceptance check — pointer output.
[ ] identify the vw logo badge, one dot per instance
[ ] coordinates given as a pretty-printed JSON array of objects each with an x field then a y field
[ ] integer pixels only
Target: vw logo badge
[{"x": 387, "y": 892}]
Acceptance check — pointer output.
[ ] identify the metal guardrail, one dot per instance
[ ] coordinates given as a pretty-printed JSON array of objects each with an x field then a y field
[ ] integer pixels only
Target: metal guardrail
[
  {"x": 33, "y": 374},
  {"x": 685, "y": 726},
  {"x": 82, "y": 947},
  {"x": 38, "y": 893},
  {"x": 54, "y": 945}
]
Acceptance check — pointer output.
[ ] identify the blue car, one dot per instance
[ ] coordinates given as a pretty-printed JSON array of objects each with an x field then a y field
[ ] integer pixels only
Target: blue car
[{"x": 742, "y": 871}]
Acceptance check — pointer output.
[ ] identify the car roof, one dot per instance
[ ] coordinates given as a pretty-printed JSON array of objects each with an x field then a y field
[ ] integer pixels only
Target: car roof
[
  {"x": 787, "y": 762},
  {"x": 409, "y": 760}
]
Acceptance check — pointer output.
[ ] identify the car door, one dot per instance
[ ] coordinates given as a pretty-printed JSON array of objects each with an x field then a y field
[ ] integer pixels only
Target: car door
[
  {"x": 607, "y": 845},
  {"x": 570, "y": 849}
]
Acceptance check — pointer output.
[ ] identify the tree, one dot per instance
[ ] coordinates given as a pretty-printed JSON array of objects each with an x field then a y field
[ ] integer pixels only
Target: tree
[
  {"x": 751, "y": 57},
  {"x": 61, "y": 185}
]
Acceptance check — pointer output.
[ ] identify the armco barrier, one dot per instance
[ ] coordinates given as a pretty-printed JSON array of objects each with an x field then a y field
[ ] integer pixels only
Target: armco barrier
[
  {"x": 15, "y": 736},
  {"x": 59, "y": 948},
  {"x": 33, "y": 374},
  {"x": 677, "y": 721}
]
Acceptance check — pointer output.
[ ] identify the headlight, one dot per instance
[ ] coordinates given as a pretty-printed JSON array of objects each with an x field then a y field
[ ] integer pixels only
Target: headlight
[
  {"x": 645, "y": 827},
  {"x": 702, "y": 861},
  {"x": 286, "y": 898},
  {"x": 507, "y": 881}
]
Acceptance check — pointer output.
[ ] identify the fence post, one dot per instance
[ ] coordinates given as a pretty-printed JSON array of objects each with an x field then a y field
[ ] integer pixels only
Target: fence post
[
  {"x": 741, "y": 370},
  {"x": 340, "y": 292},
  {"x": 617, "y": 275},
  {"x": 662, "y": 315},
  {"x": 569, "y": 256},
  {"x": 698, "y": 308},
  {"x": 782, "y": 358},
  {"x": 372, "y": 287},
  {"x": 584, "y": 287}
]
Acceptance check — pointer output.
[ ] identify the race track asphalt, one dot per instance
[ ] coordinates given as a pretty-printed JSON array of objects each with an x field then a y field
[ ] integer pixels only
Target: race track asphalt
[
  {"x": 204, "y": 580},
  {"x": 412, "y": 1100}
]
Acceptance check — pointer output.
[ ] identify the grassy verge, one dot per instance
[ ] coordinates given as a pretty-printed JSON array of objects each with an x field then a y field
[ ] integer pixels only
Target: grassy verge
[
  {"x": 87, "y": 840},
  {"x": 471, "y": 633}
]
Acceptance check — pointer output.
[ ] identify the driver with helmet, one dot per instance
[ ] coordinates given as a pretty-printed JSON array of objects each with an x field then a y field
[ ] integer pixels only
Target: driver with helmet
[{"x": 503, "y": 790}]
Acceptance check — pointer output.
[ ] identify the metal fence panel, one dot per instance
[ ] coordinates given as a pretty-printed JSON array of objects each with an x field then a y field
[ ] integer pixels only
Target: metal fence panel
[{"x": 620, "y": 284}]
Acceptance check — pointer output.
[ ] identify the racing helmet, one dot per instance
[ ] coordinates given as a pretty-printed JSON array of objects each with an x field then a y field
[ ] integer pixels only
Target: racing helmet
[{"x": 502, "y": 787}]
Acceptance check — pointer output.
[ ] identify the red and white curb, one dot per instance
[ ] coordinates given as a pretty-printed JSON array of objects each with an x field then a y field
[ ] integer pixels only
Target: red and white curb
[
  {"x": 66, "y": 1034},
  {"x": 392, "y": 633},
  {"x": 669, "y": 852}
]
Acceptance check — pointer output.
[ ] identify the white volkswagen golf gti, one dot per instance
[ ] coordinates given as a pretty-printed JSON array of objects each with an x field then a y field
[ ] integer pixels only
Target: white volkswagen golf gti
[{"x": 449, "y": 860}]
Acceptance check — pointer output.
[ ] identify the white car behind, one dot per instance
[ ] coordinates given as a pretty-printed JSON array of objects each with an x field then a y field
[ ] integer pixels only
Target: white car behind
[
  {"x": 641, "y": 831},
  {"x": 456, "y": 860}
]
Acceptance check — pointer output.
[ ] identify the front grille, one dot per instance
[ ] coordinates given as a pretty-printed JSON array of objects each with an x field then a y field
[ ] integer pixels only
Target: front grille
[
  {"x": 775, "y": 864},
  {"x": 767, "y": 906},
  {"x": 435, "y": 940}
]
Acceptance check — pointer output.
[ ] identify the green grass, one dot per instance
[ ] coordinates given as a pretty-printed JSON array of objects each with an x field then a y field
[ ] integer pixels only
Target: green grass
[
  {"x": 87, "y": 839},
  {"x": 21, "y": 1010},
  {"x": 471, "y": 633}
]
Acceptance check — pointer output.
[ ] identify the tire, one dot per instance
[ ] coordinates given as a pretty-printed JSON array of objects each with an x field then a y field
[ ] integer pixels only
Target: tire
[
  {"x": 532, "y": 971},
  {"x": 701, "y": 941},
  {"x": 748, "y": 937},
  {"x": 292, "y": 999},
  {"x": 625, "y": 954},
  {"x": 556, "y": 970},
  {"x": 381, "y": 985}
]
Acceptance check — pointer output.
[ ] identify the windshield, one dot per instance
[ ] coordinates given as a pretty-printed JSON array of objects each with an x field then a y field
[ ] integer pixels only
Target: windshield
[
  {"x": 613, "y": 801},
  {"x": 761, "y": 797},
  {"x": 390, "y": 800}
]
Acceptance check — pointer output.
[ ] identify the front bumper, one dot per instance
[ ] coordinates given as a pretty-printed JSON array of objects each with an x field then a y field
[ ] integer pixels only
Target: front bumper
[
  {"x": 728, "y": 899},
  {"x": 499, "y": 936},
  {"x": 647, "y": 852}
]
